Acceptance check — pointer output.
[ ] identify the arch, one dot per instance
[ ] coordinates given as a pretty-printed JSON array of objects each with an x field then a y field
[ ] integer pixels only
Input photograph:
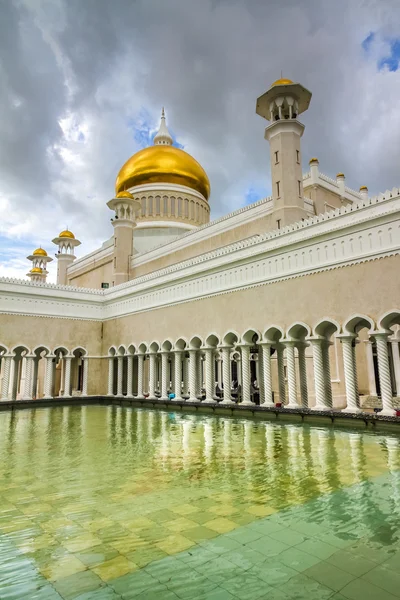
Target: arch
[
  {"x": 154, "y": 347},
  {"x": 326, "y": 328},
  {"x": 3, "y": 349},
  {"x": 131, "y": 349},
  {"x": 389, "y": 319},
  {"x": 273, "y": 334},
  {"x": 212, "y": 340},
  {"x": 20, "y": 350},
  {"x": 195, "y": 343},
  {"x": 40, "y": 349},
  {"x": 180, "y": 344},
  {"x": 112, "y": 351},
  {"x": 121, "y": 350},
  {"x": 230, "y": 338},
  {"x": 166, "y": 346},
  {"x": 298, "y": 331},
  {"x": 142, "y": 348},
  {"x": 251, "y": 336},
  {"x": 357, "y": 322},
  {"x": 79, "y": 350}
]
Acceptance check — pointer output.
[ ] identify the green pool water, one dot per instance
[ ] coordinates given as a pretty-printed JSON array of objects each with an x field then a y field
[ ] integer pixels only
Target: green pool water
[{"x": 109, "y": 503}]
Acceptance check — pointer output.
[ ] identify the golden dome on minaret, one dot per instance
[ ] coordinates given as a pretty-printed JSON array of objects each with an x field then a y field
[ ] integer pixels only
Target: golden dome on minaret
[
  {"x": 39, "y": 252},
  {"x": 124, "y": 194},
  {"x": 67, "y": 234},
  {"x": 163, "y": 163},
  {"x": 36, "y": 270},
  {"x": 282, "y": 81}
]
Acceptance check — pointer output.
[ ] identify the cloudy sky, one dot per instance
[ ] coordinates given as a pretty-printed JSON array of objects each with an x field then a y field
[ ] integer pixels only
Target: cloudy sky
[{"x": 83, "y": 82}]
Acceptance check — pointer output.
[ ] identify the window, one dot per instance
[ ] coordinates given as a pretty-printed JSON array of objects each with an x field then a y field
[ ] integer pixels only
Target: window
[
  {"x": 299, "y": 182},
  {"x": 278, "y": 223},
  {"x": 277, "y": 188},
  {"x": 105, "y": 286},
  {"x": 179, "y": 207},
  {"x": 158, "y": 203},
  {"x": 172, "y": 206},
  {"x": 276, "y": 157},
  {"x": 115, "y": 262},
  {"x": 297, "y": 156}
]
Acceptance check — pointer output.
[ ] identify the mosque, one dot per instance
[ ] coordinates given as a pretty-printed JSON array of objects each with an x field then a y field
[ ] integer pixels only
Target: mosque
[{"x": 291, "y": 302}]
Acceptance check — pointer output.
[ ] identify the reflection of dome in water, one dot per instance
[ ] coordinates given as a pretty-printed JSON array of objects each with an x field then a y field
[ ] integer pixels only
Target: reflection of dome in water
[{"x": 163, "y": 163}]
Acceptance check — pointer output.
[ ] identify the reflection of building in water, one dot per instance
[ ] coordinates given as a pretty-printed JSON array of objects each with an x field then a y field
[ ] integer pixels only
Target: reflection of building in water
[{"x": 151, "y": 301}]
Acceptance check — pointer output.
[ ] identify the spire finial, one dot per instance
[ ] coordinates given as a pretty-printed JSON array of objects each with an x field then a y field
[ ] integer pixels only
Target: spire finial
[{"x": 163, "y": 136}]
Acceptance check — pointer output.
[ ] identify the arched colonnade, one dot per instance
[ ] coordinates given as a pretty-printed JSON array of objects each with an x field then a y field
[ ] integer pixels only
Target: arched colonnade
[
  {"x": 239, "y": 367},
  {"x": 42, "y": 372}
]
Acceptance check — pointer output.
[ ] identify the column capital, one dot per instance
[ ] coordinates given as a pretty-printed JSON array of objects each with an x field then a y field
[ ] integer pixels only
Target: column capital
[
  {"x": 346, "y": 336},
  {"x": 385, "y": 334}
]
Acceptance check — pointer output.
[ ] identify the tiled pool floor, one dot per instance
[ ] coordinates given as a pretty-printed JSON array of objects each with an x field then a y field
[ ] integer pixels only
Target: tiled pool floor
[{"x": 105, "y": 504}]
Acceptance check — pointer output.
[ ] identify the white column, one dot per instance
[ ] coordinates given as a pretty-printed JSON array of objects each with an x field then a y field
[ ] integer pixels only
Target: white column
[
  {"x": 85, "y": 376},
  {"x": 67, "y": 377},
  {"x": 370, "y": 368},
  {"x": 267, "y": 399},
  {"x": 28, "y": 378},
  {"x": 301, "y": 352},
  {"x": 246, "y": 379},
  {"x": 48, "y": 377},
  {"x": 6, "y": 369},
  {"x": 34, "y": 381},
  {"x": 281, "y": 373},
  {"x": 327, "y": 372},
  {"x": 140, "y": 377},
  {"x": 178, "y": 375},
  {"x": 129, "y": 377},
  {"x": 110, "y": 391},
  {"x": 321, "y": 401},
  {"x": 239, "y": 369},
  {"x": 219, "y": 371},
  {"x": 291, "y": 374},
  {"x": 193, "y": 364},
  {"x": 384, "y": 374},
  {"x": 209, "y": 374},
  {"x": 164, "y": 376},
  {"x": 199, "y": 373},
  {"x": 350, "y": 374},
  {"x": 396, "y": 364},
  {"x": 185, "y": 377},
  {"x": 119, "y": 375},
  {"x": 152, "y": 375},
  {"x": 226, "y": 374}
]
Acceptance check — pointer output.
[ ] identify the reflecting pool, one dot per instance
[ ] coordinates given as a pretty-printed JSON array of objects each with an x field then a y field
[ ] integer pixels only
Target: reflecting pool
[{"x": 108, "y": 503}]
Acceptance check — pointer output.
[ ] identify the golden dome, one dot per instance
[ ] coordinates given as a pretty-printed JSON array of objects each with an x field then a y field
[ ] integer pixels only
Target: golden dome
[
  {"x": 163, "y": 164},
  {"x": 313, "y": 160},
  {"x": 282, "y": 81},
  {"x": 124, "y": 194},
  {"x": 67, "y": 234},
  {"x": 363, "y": 187},
  {"x": 36, "y": 270},
  {"x": 340, "y": 175},
  {"x": 39, "y": 252}
]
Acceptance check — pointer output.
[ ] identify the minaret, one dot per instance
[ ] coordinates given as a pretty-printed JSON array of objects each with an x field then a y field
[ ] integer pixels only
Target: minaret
[
  {"x": 39, "y": 259},
  {"x": 66, "y": 242},
  {"x": 281, "y": 105},
  {"x": 124, "y": 221}
]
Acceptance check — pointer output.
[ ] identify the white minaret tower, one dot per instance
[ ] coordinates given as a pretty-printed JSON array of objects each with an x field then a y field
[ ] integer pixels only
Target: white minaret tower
[
  {"x": 66, "y": 243},
  {"x": 124, "y": 221},
  {"x": 281, "y": 105},
  {"x": 39, "y": 259}
]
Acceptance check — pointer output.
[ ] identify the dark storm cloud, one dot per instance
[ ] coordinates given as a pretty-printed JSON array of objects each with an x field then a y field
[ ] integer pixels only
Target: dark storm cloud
[{"x": 76, "y": 74}]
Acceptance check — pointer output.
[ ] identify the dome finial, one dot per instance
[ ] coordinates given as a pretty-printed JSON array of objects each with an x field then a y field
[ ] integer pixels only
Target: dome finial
[{"x": 163, "y": 136}]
